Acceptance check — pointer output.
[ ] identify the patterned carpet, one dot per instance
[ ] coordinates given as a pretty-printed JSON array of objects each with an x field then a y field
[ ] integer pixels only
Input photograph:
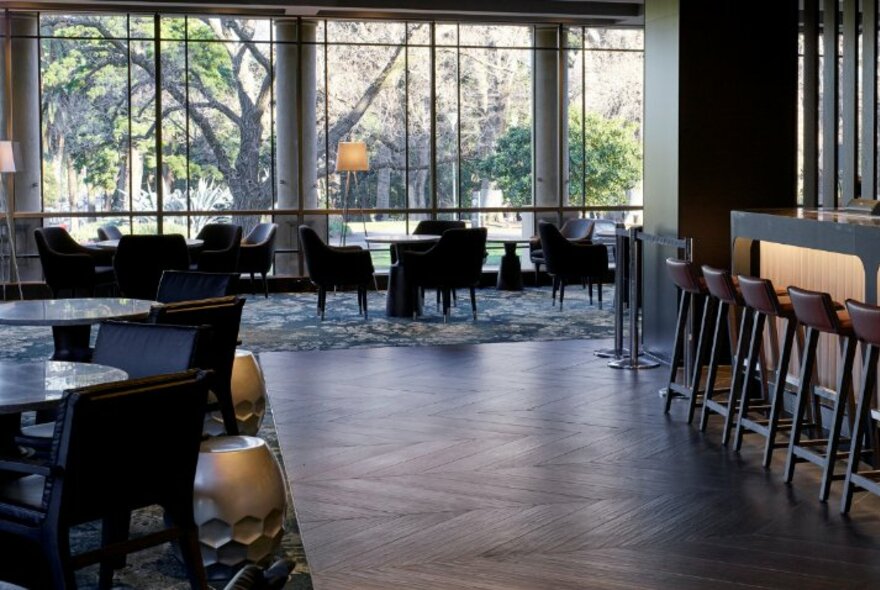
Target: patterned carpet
[{"x": 287, "y": 322}]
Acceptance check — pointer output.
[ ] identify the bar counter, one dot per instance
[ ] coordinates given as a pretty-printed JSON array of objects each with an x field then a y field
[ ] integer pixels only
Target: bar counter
[{"x": 823, "y": 250}]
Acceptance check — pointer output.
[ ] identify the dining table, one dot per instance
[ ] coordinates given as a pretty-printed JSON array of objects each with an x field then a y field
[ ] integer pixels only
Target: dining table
[
  {"x": 399, "y": 300},
  {"x": 71, "y": 319},
  {"x": 27, "y": 386},
  {"x": 510, "y": 270},
  {"x": 113, "y": 245}
]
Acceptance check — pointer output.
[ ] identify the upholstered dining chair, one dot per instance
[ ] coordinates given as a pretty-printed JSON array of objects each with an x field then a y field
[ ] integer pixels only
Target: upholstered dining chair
[
  {"x": 109, "y": 232},
  {"x": 221, "y": 317},
  {"x": 116, "y": 448},
  {"x": 69, "y": 268},
  {"x": 191, "y": 285},
  {"x": 575, "y": 230},
  {"x": 429, "y": 227},
  {"x": 330, "y": 267},
  {"x": 454, "y": 262},
  {"x": 258, "y": 253},
  {"x": 222, "y": 244},
  {"x": 567, "y": 260},
  {"x": 140, "y": 261}
]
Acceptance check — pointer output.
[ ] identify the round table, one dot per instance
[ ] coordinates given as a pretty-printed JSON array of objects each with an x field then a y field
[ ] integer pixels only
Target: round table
[
  {"x": 510, "y": 271},
  {"x": 399, "y": 301},
  {"x": 72, "y": 319},
  {"x": 27, "y": 386},
  {"x": 191, "y": 243}
]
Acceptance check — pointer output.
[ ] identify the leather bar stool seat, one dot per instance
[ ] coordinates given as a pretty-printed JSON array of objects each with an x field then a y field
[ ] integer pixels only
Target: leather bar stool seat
[
  {"x": 819, "y": 314},
  {"x": 866, "y": 325},
  {"x": 763, "y": 301},
  {"x": 687, "y": 277}
]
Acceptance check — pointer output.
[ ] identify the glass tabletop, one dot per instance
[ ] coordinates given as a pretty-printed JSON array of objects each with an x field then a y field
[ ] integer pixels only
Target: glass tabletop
[
  {"x": 72, "y": 312},
  {"x": 36, "y": 385}
]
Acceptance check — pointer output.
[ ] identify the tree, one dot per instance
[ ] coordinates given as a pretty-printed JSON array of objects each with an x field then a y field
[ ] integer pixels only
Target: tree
[{"x": 613, "y": 161}]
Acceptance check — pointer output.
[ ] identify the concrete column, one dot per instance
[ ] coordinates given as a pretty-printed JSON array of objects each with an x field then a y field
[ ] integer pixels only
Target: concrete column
[
  {"x": 296, "y": 163},
  {"x": 551, "y": 107},
  {"x": 22, "y": 122}
]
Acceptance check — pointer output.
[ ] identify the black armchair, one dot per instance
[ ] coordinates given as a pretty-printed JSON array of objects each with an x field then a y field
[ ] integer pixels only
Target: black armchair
[
  {"x": 258, "y": 252},
  {"x": 567, "y": 260},
  {"x": 222, "y": 244},
  {"x": 429, "y": 227},
  {"x": 191, "y": 285},
  {"x": 69, "y": 267},
  {"x": 221, "y": 317},
  {"x": 102, "y": 467},
  {"x": 109, "y": 232},
  {"x": 141, "y": 260},
  {"x": 454, "y": 262},
  {"x": 575, "y": 230},
  {"x": 330, "y": 267}
]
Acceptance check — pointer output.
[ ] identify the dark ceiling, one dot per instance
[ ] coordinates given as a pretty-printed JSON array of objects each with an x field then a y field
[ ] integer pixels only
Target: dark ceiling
[{"x": 608, "y": 12}]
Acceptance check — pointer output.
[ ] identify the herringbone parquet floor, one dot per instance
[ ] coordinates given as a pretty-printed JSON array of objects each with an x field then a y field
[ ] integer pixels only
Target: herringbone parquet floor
[{"x": 534, "y": 466}]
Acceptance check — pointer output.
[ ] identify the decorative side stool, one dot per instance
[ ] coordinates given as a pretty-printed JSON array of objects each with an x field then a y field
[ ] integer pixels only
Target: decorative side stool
[
  {"x": 239, "y": 503},
  {"x": 248, "y": 397}
]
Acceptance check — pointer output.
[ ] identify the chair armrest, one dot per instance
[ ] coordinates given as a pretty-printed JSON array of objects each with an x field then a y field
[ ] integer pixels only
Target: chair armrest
[{"x": 29, "y": 466}]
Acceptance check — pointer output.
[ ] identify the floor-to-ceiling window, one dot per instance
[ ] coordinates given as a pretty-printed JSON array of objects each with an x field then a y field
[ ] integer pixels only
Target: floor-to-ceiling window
[{"x": 167, "y": 122}]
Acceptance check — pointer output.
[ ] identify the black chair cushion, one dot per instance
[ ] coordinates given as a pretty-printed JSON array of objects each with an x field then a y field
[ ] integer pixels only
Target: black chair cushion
[
  {"x": 144, "y": 350},
  {"x": 188, "y": 285}
]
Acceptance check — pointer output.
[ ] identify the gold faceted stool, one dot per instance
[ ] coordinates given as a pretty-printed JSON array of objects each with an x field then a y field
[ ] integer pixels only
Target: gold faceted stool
[
  {"x": 248, "y": 397},
  {"x": 239, "y": 503}
]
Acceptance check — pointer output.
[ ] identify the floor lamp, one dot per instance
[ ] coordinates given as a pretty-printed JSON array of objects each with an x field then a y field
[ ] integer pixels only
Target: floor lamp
[
  {"x": 9, "y": 163},
  {"x": 351, "y": 158}
]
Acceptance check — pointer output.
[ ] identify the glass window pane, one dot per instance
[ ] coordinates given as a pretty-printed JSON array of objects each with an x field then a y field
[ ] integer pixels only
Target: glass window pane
[
  {"x": 495, "y": 36},
  {"x": 575, "y": 61},
  {"x": 419, "y": 120},
  {"x": 84, "y": 26},
  {"x": 341, "y": 31},
  {"x": 445, "y": 34},
  {"x": 447, "y": 128},
  {"x": 615, "y": 38},
  {"x": 418, "y": 33}
]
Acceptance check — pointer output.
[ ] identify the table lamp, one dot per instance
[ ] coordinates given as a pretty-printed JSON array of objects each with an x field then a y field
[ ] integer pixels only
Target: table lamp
[
  {"x": 9, "y": 163},
  {"x": 351, "y": 158}
]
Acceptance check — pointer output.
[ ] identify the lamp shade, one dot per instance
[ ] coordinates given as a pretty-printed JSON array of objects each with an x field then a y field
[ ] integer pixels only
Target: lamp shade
[
  {"x": 10, "y": 161},
  {"x": 352, "y": 157}
]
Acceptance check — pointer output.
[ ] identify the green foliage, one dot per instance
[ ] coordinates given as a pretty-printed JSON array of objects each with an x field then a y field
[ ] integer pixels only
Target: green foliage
[{"x": 613, "y": 162}]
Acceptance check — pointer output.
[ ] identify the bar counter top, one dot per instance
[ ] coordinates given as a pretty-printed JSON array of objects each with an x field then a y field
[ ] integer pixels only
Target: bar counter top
[{"x": 829, "y": 230}]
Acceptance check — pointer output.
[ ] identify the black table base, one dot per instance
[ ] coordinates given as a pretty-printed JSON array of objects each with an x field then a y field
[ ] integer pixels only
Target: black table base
[
  {"x": 399, "y": 301},
  {"x": 72, "y": 343},
  {"x": 510, "y": 272}
]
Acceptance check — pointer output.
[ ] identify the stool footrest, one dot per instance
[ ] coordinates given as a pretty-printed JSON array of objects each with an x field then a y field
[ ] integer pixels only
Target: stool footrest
[{"x": 868, "y": 484}]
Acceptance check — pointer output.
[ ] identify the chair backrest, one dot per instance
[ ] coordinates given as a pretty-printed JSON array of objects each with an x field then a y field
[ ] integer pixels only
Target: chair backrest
[
  {"x": 865, "y": 320},
  {"x": 55, "y": 240},
  {"x": 315, "y": 251},
  {"x": 144, "y": 350},
  {"x": 559, "y": 251},
  {"x": 220, "y": 236},
  {"x": 436, "y": 227},
  {"x": 141, "y": 260},
  {"x": 815, "y": 309},
  {"x": 221, "y": 317},
  {"x": 263, "y": 233},
  {"x": 759, "y": 294},
  {"x": 577, "y": 229},
  {"x": 720, "y": 284},
  {"x": 258, "y": 249},
  {"x": 456, "y": 260},
  {"x": 109, "y": 232},
  {"x": 686, "y": 275},
  {"x": 125, "y": 445},
  {"x": 189, "y": 285}
]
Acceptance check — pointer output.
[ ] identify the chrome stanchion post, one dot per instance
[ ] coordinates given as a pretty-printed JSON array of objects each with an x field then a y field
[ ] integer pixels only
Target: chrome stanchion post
[
  {"x": 634, "y": 363},
  {"x": 619, "y": 285}
]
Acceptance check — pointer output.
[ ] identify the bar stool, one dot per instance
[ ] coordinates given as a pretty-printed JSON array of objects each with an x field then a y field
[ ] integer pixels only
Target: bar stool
[
  {"x": 686, "y": 276},
  {"x": 866, "y": 325},
  {"x": 764, "y": 302},
  {"x": 723, "y": 288},
  {"x": 818, "y": 313}
]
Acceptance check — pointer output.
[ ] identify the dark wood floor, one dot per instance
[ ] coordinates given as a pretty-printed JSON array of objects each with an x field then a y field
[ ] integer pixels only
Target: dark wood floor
[{"x": 534, "y": 466}]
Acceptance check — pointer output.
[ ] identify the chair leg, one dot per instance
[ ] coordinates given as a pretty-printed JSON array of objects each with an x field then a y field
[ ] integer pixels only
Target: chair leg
[
  {"x": 862, "y": 424},
  {"x": 702, "y": 341},
  {"x": 265, "y": 285},
  {"x": 227, "y": 408},
  {"x": 115, "y": 529},
  {"x": 473, "y": 292},
  {"x": 537, "y": 275},
  {"x": 322, "y": 299},
  {"x": 446, "y": 298},
  {"x": 777, "y": 402},
  {"x": 253, "y": 287},
  {"x": 364, "y": 297},
  {"x": 809, "y": 359},
  {"x": 562, "y": 293},
  {"x": 842, "y": 401},
  {"x": 56, "y": 547},
  {"x": 192, "y": 559},
  {"x": 438, "y": 299},
  {"x": 555, "y": 287},
  {"x": 677, "y": 347},
  {"x": 454, "y": 299},
  {"x": 590, "y": 291},
  {"x": 755, "y": 342}
]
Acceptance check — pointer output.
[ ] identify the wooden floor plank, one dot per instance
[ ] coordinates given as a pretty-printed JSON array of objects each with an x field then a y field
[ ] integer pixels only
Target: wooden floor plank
[{"x": 519, "y": 466}]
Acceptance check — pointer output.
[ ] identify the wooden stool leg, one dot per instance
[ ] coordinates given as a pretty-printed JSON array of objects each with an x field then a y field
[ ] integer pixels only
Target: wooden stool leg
[
  {"x": 862, "y": 421},
  {"x": 736, "y": 373},
  {"x": 751, "y": 362},
  {"x": 708, "y": 311},
  {"x": 844, "y": 394},
  {"x": 805, "y": 376},
  {"x": 778, "y": 401},
  {"x": 677, "y": 347},
  {"x": 713, "y": 364}
]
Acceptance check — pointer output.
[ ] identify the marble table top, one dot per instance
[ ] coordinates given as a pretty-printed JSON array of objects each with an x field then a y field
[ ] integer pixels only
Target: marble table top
[
  {"x": 72, "y": 312},
  {"x": 114, "y": 244},
  {"x": 402, "y": 239},
  {"x": 38, "y": 385}
]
